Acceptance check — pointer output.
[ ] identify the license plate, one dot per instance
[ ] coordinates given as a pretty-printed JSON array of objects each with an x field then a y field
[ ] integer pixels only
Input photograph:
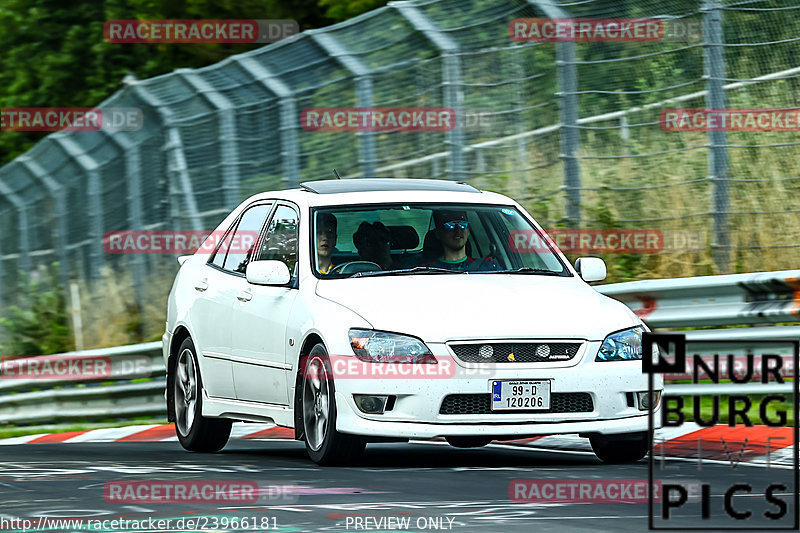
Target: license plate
[{"x": 520, "y": 395}]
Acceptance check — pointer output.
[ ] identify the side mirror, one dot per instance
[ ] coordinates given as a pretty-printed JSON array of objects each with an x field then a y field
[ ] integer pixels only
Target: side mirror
[
  {"x": 268, "y": 273},
  {"x": 591, "y": 268}
]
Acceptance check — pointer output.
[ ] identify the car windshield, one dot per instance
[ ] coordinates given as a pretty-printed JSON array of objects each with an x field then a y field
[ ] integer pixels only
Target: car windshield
[{"x": 411, "y": 239}]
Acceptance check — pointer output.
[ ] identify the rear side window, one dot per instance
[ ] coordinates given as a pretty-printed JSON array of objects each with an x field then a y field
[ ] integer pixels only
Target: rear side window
[
  {"x": 222, "y": 250},
  {"x": 280, "y": 239},
  {"x": 241, "y": 244}
]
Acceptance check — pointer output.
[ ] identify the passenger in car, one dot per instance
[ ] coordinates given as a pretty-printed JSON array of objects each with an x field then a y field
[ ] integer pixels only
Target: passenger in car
[
  {"x": 451, "y": 229},
  {"x": 373, "y": 243},
  {"x": 326, "y": 241}
]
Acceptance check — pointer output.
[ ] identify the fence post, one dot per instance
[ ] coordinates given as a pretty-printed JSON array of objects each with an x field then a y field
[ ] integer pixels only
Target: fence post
[
  {"x": 133, "y": 174},
  {"x": 366, "y": 139},
  {"x": 718, "y": 156},
  {"x": 520, "y": 188},
  {"x": 2, "y": 281},
  {"x": 24, "y": 262},
  {"x": 289, "y": 119},
  {"x": 568, "y": 102},
  {"x": 57, "y": 194},
  {"x": 229, "y": 152},
  {"x": 451, "y": 80},
  {"x": 94, "y": 200},
  {"x": 180, "y": 184}
]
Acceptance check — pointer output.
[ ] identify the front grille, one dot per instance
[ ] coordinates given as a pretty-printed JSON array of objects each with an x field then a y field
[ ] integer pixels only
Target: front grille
[
  {"x": 516, "y": 352},
  {"x": 480, "y": 404}
]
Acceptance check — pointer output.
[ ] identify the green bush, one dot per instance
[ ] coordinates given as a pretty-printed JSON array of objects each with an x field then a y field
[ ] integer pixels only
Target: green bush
[{"x": 42, "y": 326}]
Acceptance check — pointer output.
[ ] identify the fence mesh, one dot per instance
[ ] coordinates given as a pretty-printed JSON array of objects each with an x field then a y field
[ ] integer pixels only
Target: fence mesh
[{"x": 569, "y": 129}]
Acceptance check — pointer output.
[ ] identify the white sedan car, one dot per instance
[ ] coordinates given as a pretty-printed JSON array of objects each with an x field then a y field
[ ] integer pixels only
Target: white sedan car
[{"x": 376, "y": 310}]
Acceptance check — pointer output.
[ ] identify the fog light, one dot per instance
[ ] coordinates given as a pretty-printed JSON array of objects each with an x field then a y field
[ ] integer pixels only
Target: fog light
[
  {"x": 373, "y": 405},
  {"x": 644, "y": 399}
]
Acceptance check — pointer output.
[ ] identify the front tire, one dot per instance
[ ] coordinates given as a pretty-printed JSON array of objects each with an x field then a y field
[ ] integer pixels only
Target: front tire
[
  {"x": 324, "y": 445},
  {"x": 195, "y": 432},
  {"x": 624, "y": 448}
]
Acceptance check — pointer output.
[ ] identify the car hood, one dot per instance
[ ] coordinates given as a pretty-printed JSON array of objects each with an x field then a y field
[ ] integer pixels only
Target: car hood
[{"x": 444, "y": 307}]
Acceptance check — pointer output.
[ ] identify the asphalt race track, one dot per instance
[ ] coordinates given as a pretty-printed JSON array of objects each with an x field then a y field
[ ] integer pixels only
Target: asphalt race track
[{"x": 431, "y": 484}]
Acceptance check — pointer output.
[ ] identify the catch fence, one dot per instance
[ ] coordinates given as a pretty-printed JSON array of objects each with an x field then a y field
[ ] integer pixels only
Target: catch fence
[{"x": 570, "y": 129}]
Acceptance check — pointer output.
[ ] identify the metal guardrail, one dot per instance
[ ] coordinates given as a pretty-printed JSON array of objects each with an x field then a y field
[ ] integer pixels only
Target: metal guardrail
[
  {"x": 133, "y": 388},
  {"x": 740, "y": 299},
  {"x": 733, "y": 299}
]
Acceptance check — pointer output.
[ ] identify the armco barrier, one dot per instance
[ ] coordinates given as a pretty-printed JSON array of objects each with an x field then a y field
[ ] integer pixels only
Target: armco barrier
[
  {"x": 747, "y": 299},
  {"x": 53, "y": 401},
  {"x": 739, "y": 299}
]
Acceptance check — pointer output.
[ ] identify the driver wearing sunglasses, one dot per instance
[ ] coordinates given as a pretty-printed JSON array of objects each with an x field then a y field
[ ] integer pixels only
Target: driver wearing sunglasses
[{"x": 452, "y": 231}]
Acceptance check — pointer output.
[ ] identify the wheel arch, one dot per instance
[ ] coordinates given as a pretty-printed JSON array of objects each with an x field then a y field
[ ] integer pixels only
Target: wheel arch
[
  {"x": 180, "y": 335},
  {"x": 311, "y": 340}
]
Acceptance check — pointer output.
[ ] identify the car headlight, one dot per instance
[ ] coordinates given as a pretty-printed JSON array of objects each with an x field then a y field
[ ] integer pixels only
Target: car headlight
[
  {"x": 623, "y": 345},
  {"x": 383, "y": 347}
]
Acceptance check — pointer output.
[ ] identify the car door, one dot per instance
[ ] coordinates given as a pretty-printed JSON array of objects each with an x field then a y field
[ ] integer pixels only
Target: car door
[
  {"x": 260, "y": 315},
  {"x": 216, "y": 284}
]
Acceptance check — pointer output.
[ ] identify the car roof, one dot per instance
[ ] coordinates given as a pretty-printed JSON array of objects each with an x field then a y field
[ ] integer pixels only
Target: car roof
[
  {"x": 383, "y": 190},
  {"x": 385, "y": 184}
]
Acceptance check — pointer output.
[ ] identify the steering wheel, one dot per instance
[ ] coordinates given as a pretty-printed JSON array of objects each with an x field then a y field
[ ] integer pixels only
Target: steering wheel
[{"x": 351, "y": 267}]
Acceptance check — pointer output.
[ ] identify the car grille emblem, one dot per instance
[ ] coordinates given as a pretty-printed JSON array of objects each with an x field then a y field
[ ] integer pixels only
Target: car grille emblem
[
  {"x": 486, "y": 351},
  {"x": 543, "y": 351},
  {"x": 511, "y": 357}
]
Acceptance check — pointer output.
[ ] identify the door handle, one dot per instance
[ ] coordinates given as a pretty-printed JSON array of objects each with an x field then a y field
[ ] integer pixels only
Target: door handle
[
  {"x": 245, "y": 296},
  {"x": 201, "y": 286}
]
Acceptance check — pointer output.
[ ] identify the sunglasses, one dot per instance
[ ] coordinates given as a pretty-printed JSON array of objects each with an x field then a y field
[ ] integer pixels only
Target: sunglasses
[{"x": 452, "y": 225}]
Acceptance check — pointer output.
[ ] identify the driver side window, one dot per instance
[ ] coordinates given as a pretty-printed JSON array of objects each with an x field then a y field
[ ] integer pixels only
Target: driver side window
[{"x": 280, "y": 240}]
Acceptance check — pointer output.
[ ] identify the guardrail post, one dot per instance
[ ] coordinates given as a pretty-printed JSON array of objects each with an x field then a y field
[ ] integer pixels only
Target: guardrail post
[
  {"x": 366, "y": 139},
  {"x": 229, "y": 155},
  {"x": 180, "y": 184},
  {"x": 94, "y": 199},
  {"x": 568, "y": 102},
  {"x": 718, "y": 156},
  {"x": 57, "y": 194},
  {"x": 289, "y": 118},
  {"x": 451, "y": 80}
]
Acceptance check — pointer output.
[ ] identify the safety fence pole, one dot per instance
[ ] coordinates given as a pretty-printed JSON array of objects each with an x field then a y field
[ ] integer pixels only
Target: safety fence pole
[
  {"x": 718, "y": 165},
  {"x": 568, "y": 107},
  {"x": 453, "y": 94}
]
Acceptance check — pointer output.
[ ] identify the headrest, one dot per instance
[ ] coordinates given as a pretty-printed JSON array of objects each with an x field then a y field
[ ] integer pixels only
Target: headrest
[{"x": 403, "y": 237}]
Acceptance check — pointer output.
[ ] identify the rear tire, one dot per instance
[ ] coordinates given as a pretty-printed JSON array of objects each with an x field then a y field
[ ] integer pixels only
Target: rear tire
[
  {"x": 624, "y": 448},
  {"x": 195, "y": 432},
  {"x": 467, "y": 442},
  {"x": 324, "y": 445}
]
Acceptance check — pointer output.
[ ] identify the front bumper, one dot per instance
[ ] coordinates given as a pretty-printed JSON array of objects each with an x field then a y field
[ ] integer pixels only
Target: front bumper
[{"x": 416, "y": 412}]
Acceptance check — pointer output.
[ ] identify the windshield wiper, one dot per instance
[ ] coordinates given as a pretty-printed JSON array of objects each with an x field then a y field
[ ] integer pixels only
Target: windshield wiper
[
  {"x": 414, "y": 270},
  {"x": 529, "y": 270}
]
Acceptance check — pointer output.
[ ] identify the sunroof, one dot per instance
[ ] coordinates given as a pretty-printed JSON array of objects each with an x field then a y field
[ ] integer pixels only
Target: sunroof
[{"x": 385, "y": 184}]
